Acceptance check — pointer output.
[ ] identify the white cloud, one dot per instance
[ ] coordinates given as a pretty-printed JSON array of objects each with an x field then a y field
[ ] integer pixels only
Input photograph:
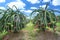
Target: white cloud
[
  {"x": 2, "y": 1},
  {"x": 18, "y": 0},
  {"x": 22, "y": 10},
  {"x": 2, "y": 8},
  {"x": 27, "y": 11},
  {"x": 46, "y": 0},
  {"x": 33, "y": 8},
  {"x": 28, "y": 17},
  {"x": 43, "y": 6},
  {"x": 33, "y": 1},
  {"x": 56, "y": 2},
  {"x": 19, "y": 4}
]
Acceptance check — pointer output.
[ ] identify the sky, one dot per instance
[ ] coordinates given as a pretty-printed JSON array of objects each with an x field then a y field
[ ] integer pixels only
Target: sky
[{"x": 27, "y": 6}]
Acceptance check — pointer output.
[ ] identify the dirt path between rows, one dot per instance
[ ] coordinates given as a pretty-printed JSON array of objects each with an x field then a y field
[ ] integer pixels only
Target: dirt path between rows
[{"x": 23, "y": 35}]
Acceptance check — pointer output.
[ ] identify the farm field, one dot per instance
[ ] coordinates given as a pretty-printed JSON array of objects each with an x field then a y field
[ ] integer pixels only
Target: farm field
[{"x": 29, "y": 20}]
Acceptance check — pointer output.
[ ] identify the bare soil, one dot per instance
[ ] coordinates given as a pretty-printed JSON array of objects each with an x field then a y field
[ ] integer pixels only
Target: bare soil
[
  {"x": 47, "y": 36},
  {"x": 23, "y": 35}
]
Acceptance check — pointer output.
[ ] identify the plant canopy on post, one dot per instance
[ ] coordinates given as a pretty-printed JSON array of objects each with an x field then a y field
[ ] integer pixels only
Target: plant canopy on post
[
  {"x": 45, "y": 17},
  {"x": 12, "y": 19}
]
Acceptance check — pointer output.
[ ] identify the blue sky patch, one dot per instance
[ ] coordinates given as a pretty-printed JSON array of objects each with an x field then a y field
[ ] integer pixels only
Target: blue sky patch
[{"x": 27, "y": 6}]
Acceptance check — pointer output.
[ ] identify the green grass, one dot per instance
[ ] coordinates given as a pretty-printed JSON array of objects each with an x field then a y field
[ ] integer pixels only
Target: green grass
[
  {"x": 2, "y": 34},
  {"x": 58, "y": 27},
  {"x": 58, "y": 24},
  {"x": 29, "y": 26}
]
